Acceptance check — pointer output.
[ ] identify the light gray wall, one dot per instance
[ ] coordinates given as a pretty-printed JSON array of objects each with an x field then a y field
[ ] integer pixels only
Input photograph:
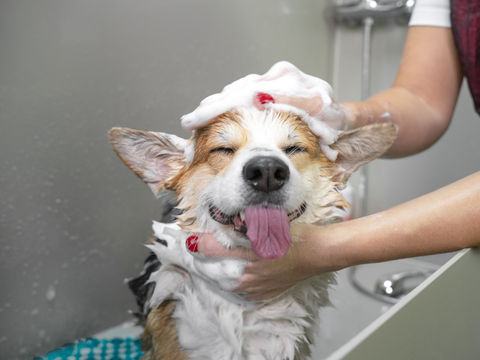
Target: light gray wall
[{"x": 72, "y": 217}]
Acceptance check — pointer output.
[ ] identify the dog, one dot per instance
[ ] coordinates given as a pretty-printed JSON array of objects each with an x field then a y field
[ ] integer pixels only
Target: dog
[{"x": 243, "y": 178}]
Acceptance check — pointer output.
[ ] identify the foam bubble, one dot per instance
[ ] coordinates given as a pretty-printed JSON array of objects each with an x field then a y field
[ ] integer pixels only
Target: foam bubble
[{"x": 283, "y": 79}]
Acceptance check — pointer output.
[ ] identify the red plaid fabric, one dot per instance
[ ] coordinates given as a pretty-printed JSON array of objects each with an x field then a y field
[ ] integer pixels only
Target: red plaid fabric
[{"x": 466, "y": 31}]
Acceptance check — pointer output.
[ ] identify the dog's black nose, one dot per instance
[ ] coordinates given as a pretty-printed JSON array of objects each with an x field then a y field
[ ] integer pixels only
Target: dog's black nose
[{"x": 266, "y": 173}]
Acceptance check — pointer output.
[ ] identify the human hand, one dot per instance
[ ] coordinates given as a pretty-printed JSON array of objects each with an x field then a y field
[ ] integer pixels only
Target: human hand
[
  {"x": 292, "y": 87},
  {"x": 283, "y": 87},
  {"x": 265, "y": 279}
]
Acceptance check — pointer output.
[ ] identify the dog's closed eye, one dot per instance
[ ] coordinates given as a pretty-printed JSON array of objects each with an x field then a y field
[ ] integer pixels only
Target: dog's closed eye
[
  {"x": 223, "y": 151},
  {"x": 293, "y": 150}
]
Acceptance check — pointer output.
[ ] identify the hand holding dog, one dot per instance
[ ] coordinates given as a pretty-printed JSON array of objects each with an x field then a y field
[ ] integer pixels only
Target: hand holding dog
[
  {"x": 337, "y": 116},
  {"x": 265, "y": 279},
  {"x": 334, "y": 114}
]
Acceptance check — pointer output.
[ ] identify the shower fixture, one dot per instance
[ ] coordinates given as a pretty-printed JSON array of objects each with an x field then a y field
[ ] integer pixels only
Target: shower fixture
[
  {"x": 355, "y": 13},
  {"x": 391, "y": 287},
  {"x": 366, "y": 12}
]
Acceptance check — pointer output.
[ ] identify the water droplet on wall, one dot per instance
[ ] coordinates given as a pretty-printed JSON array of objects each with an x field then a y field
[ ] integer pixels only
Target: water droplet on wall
[{"x": 50, "y": 295}]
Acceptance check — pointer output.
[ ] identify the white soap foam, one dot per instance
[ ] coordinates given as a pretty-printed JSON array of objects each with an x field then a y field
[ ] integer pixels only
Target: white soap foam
[
  {"x": 283, "y": 79},
  {"x": 189, "y": 152},
  {"x": 386, "y": 115}
]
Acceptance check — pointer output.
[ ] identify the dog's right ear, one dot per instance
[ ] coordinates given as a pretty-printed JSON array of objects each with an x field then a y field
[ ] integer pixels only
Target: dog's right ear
[
  {"x": 360, "y": 146},
  {"x": 154, "y": 157}
]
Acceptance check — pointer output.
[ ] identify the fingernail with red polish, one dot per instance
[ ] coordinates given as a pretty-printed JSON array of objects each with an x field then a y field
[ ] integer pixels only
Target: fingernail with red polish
[
  {"x": 264, "y": 98},
  {"x": 192, "y": 243}
]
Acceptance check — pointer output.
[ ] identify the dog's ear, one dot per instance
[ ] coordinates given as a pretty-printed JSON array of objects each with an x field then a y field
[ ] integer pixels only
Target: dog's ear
[
  {"x": 154, "y": 157},
  {"x": 360, "y": 146}
]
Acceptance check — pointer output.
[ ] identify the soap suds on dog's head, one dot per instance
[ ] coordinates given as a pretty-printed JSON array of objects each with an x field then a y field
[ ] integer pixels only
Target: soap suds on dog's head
[{"x": 283, "y": 79}]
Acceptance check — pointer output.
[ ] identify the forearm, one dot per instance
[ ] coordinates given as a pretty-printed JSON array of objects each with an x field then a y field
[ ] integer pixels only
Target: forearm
[
  {"x": 419, "y": 126},
  {"x": 422, "y": 99},
  {"x": 443, "y": 221}
]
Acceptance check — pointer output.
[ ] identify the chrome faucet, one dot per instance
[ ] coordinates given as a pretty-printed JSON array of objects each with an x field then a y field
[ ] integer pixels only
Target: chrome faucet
[{"x": 354, "y": 14}]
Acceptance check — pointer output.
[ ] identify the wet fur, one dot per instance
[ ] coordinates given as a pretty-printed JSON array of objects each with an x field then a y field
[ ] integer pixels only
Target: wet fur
[
  {"x": 158, "y": 159},
  {"x": 160, "y": 338}
]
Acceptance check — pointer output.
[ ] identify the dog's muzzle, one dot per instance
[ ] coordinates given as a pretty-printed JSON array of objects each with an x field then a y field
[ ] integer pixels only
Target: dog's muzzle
[
  {"x": 263, "y": 221},
  {"x": 238, "y": 220}
]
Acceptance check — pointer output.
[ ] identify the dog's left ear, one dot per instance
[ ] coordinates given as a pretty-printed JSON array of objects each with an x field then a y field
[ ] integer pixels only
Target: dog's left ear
[
  {"x": 360, "y": 146},
  {"x": 154, "y": 157}
]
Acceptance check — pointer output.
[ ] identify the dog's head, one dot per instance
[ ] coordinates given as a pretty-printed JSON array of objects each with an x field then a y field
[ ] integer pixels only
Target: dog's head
[{"x": 251, "y": 174}]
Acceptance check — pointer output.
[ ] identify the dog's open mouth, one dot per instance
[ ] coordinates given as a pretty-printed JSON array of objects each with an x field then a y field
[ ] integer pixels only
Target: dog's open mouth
[{"x": 268, "y": 228}]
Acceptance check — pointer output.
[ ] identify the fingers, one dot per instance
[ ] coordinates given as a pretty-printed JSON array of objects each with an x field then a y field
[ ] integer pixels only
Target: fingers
[
  {"x": 192, "y": 243},
  {"x": 238, "y": 270},
  {"x": 207, "y": 245},
  {"x": 312, "y": 106},
  {"x": 261, "y": 98},
  {"x": 282, "y": 84},
  {"x": 214, "y": 262},
  {"x": 258, "y": 290}
]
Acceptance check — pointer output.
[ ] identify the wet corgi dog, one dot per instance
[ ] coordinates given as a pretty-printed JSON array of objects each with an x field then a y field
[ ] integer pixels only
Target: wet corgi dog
[{"x": 244, "y": 178}]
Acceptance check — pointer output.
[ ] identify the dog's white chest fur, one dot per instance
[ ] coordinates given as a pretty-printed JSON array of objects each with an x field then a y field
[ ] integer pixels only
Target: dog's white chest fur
[{"x": 214, "y": 323}]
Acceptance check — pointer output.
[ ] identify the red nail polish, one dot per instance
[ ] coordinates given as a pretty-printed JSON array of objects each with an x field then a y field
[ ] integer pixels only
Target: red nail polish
[
  {"x": 192, "y": 243},
  {"x": 264, "y": 98}
]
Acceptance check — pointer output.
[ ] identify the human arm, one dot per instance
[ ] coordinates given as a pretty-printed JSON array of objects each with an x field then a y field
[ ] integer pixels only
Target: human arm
[
  {"x": 443, "y": 221},
  {"x": 423, "y": 96},
  {"x": 421, "y": 100}
]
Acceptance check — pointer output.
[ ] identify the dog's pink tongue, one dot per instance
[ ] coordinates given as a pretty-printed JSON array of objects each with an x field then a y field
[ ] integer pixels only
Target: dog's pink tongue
[{"x": 268, "y": 229}]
